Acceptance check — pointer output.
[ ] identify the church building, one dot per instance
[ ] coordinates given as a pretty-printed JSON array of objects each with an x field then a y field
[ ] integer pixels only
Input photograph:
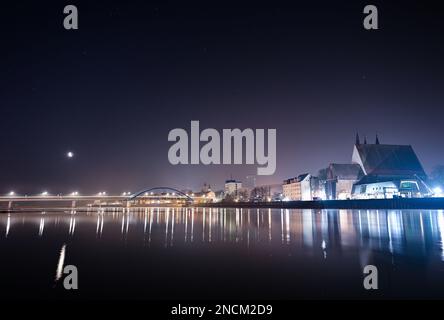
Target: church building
[{"x": 388, "y": 171}]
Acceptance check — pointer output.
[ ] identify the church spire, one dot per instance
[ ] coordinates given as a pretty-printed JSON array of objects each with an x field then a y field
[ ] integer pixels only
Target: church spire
[
  {"x": 377, "y": 139},
  {"x": 357, "y": 139}
]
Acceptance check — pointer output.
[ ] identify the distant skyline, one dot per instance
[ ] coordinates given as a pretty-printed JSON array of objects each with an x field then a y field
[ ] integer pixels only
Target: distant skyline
[{"x": 111, "y": 91}]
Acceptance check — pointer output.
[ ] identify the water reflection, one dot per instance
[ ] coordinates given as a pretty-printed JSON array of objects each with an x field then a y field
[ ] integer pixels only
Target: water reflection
[
  {"x": 412, "y": 232},
  {"x": 99, "y": 227},
  {"x": 72, "y": 225},
  {"x": 42, "y": 224},
  {"x": 8, "y": 225}
]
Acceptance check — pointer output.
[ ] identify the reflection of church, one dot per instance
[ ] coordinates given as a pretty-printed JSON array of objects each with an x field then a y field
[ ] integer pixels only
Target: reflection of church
[{"x": 377, "y": 171}]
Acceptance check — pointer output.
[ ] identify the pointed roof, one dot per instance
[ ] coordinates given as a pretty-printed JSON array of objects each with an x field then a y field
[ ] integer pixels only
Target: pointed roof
[{"x": 384, "y": 159}]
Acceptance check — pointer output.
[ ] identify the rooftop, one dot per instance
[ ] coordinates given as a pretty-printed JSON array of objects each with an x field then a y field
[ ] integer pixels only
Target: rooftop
[
  {"x": 385, "y": 159},
  {"x": 344, "y": 171}
]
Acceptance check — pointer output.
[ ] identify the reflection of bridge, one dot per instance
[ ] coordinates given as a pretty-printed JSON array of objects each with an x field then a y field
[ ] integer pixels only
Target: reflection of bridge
[{"x": 146, "y": 197}]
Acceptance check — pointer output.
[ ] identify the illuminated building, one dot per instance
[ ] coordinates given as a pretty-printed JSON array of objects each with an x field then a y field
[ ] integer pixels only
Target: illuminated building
[
  {"x": 298, "y": 188},
  {"x": 340, "y": 180},
  {"x": 205, "y": 196},
  {"x": 389, "y": 171},
  {"x": 232, "y": 187}
]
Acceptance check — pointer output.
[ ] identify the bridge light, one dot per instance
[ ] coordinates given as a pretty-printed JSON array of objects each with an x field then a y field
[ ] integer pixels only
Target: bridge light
[
  {"x": 437, "y": 191},
  {"x": 75, "y": 193},
  {"x": 44, "y": 193},
  {"x": 12, "y": 193}
]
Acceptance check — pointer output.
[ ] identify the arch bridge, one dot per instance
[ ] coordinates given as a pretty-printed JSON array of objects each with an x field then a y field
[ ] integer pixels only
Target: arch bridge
[{"x": 150, "y": 194}]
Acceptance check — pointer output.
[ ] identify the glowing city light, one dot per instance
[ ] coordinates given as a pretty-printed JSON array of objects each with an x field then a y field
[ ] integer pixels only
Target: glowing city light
[
  {"x": 12, "y": 193},
  {"x": 44, "y": 193},
  {"x": 75, "y": 193},
  {"x": 70, "y": 154},
  {"x": 438, "y": 191}
]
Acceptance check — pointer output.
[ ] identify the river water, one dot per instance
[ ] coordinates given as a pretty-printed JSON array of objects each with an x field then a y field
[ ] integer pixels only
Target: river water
[{"x": 203, "y": 253}]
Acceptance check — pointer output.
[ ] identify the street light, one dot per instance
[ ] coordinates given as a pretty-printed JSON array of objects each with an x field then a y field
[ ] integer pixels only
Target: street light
[
  {"x": 44, "y": 193},
  {"x": 75, "y": 193},
  {"x": 437, "y": 191},
  {"x": 12, "y": 193}
]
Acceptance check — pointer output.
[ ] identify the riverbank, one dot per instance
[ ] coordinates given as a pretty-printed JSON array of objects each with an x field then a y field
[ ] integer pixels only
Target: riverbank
[
  {"x": 388, "y": 204},
  {"x": 401, "y": 203}
]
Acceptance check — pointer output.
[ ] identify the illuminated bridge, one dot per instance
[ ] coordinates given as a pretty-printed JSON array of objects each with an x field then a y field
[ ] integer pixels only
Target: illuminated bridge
[{"x": 156, "y": 196}]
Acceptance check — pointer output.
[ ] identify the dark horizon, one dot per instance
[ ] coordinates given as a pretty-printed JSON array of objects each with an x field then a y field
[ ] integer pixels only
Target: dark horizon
[{"x": 112, "y": 90}]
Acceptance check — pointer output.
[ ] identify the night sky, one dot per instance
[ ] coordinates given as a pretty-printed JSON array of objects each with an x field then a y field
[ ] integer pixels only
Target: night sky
[{"x": 113, "y": 89}]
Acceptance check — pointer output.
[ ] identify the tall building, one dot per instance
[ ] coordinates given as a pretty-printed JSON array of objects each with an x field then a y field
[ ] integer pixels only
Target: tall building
[
  {"x": 250, "y": 182},
  {"x": 232, "y": 187}
]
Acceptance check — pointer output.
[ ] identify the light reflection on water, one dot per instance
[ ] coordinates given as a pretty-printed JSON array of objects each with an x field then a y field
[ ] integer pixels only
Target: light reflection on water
[
  {"x": 281, "y": 239},
  {"x": 396, "y": 231}
]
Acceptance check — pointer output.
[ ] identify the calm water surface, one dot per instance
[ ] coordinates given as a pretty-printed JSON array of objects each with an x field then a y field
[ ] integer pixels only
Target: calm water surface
[{"x": 185, "y": 253}]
